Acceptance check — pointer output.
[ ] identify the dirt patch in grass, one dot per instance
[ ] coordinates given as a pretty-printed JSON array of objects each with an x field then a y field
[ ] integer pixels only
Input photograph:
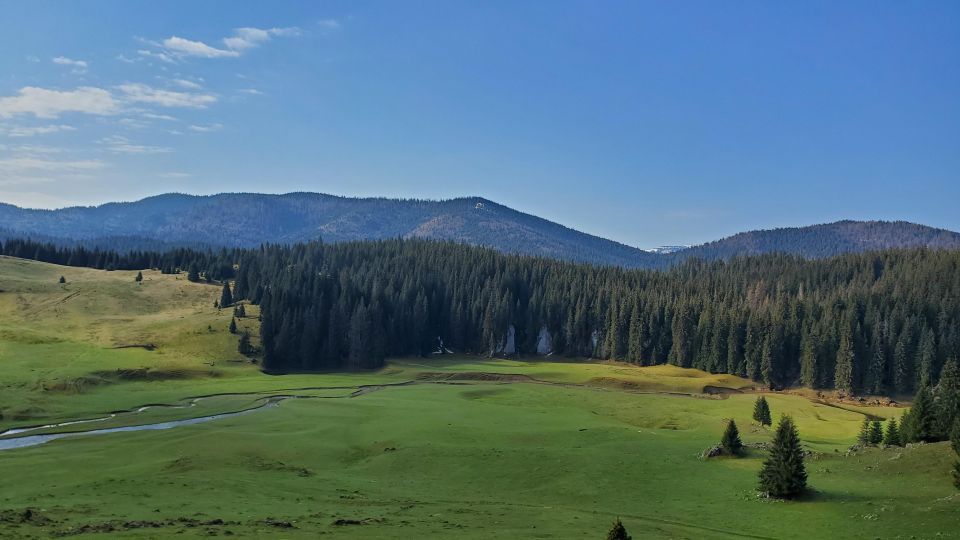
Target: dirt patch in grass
[
  {"x": 151, "y": 374},
  {"x": 118, "y": 526},
  {"x": 720, "y": 390},
  {"x": 27, "y": 516}
]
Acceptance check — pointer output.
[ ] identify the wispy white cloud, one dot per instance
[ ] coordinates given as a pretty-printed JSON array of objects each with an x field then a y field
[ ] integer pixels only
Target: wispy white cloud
[
  {"x": 32, "y": 58},
  {"x": 250, "y": 91},
  {"x": 248, "y": 38},
  {"x": 31, "y": 131},
  {"x": 142, "y": 93},
  {"x": 45, "y": 103},
  {"x": 205, "y": 129},
  {"x": 79, "y": 66},
  {"x": 33, "y": 149},
  {"x": 25, "y": 163},
  {"x": 190, "y": 85},
  {"x": 154, "y": 116},
  {"x": 174, "y": 175},
  {"x": 122, "y": 145},
  {"x": 242, "y": 40},
  {"x": 184, "y": 47},
  {"x": 163, "y": 57}
]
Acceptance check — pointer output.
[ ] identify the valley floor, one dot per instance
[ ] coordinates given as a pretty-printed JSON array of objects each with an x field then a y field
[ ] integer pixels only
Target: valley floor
[{"x": 452, "y": 447}]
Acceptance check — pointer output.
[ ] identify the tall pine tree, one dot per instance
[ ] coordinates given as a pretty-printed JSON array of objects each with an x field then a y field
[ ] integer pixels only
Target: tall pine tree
[
  {"x": 761, "y": 412},
  {"x": 783, "y": 474}
]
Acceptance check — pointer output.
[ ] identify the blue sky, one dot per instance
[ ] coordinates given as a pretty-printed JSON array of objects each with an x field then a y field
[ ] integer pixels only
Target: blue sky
[{"x": 645, "y": 122}]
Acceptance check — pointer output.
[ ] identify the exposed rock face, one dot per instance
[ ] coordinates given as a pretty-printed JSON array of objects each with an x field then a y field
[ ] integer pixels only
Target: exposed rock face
[
  {"x": 508, "y": 345},
  {"x": 544, "y": 341}
]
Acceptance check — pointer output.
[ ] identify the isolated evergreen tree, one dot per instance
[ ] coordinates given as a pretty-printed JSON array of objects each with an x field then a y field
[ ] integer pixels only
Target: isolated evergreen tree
[
  {"x": 876, "y": 432},
  {"x": 139, "y": 277},
  {"x": 863, "y": 437},
  {"x": 63, "y": 280},
  {"x": 920, "y": 422},
  {"x": 239, "y": 311},
  {"x": 618, "y": 532},
  {"x": 843, "y": 374},
  {"x": 731, "y": 443},
  {"x": 244, "y": 346},
  {"x": 892, "y": 436},
  {"x": 761, "y": 412},
  {"x": 226, "y": 297},
  {"x": 233, "y": 326},
  {"x": 783, "y": 474}
]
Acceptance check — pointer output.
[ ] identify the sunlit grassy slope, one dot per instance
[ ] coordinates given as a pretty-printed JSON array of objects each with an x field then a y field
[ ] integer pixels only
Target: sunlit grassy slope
[{"x": 472, "y": 448}]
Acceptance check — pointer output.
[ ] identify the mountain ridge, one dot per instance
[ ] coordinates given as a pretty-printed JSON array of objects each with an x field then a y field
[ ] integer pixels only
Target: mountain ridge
[{"x": 250, "y": 219}]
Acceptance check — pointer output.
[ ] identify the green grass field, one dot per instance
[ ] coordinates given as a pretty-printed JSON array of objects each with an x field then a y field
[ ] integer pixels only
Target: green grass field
[{"x": 471, "y": 448}]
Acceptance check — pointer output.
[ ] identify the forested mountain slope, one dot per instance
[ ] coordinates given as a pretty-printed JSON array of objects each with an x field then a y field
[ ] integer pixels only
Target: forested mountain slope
[
  {"x": 247, "y": 220},
  {"x": 877, "y": 322},
  {"x": 828, "y": 239},
  {"x": 244, "y": 219}
]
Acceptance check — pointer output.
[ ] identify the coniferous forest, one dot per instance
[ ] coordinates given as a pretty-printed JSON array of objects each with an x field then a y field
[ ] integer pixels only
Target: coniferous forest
[{"x": 879, "y": 323}]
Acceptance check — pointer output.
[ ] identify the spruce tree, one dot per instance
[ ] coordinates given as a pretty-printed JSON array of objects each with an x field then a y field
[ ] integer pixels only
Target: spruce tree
[
  {"x": 783, "y": 474},
  {"x": 731, "y": 443},
  {"x": 863, "y": 438},
  {"x": 618, "y": 532},
  {"x": 233, "y": 326},
  {"x": 244, "y": 346},
  {"x": 226, "y": 297},
  {"x": 920, "y": 422},
  {"x": 892, "y": 436},
  {"x": 761, "y": 412},
  {"x": 876, "y": 432},
  {"x": 139, "y": 277},
  {"x": 63, "y": 280}
]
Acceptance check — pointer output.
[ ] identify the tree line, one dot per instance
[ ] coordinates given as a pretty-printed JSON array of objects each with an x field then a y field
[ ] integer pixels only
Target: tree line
[{"x": 878, "y": 322}]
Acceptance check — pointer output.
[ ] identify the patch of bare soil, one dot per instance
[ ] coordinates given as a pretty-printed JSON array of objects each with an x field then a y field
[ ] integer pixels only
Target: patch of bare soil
[
  {"x": 720, "y": 390},
  {"x": 117, "y": 526}
]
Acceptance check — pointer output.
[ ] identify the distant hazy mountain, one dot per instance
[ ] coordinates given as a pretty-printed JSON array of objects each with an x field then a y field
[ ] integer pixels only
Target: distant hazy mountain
[
  {"x": 828, "y": 239},
  {"x": 245, "y": 219}
]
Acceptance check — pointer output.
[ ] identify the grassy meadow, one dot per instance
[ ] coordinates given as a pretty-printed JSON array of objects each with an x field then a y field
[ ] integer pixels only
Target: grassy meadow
[{"x": 442, "y": 447}]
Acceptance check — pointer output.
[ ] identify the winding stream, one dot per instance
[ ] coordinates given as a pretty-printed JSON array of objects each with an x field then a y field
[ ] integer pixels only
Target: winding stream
[{"x": 34, "y": 440}]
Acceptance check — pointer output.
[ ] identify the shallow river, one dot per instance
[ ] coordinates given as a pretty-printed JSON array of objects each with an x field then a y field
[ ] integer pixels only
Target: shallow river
[{"x": 34, "y": 440}]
